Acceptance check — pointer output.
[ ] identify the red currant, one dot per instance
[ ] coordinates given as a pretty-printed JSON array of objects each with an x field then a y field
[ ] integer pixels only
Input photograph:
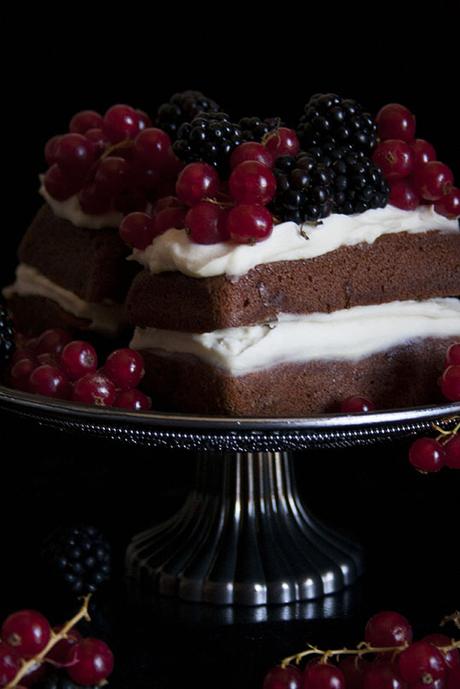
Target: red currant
[
  {"x": 144, "y": 120},
  {"x": 171, "y": 217},
  {"x": 354, "y": 669},
  {"x": 135, "y": 400},
  {"x": 323, "y": 676},
  {"x": 130, "y": 201},
  {"x": 452, "y": 450},
  {"x": 453, "y": 678},
  {"x": 20, "y": 374},
  {"x": 49, "y": 381},
  {"x": 395, "y": 121},
  {"x": 27, "y": 631},
  {"x": 426, "y": 455},
  {"x": 152, "y": 147},
  {"x": 50, "y": 149},
  {"x": 95, "y": 388},
  {"x": 433, "y": 180},
  {"x": 111, "y": 174},
  {"x": 58, "y": 185},
  {"x": 207, "y": 223},
  {"x": 167, "y": 202},
  {"x": 252, "y": 182},
  {"x": 75, "y": 155},
  {"x": 402, "y": 195},
  {"x": 9, "y": 664},
  {"x": 282, "y": 142},
  {"x": 62, "y": 652},
  {"x": 453, "y": 354},
  {"x": 93, "y": 662},
  {"x": 125, "y": 368},
  {"x": 383, "y": 676},
  {"x": 19, "y": 354},
  {"x": 449, "y": 204},
  {"x": 251, "y": 151},
  {"x": 120, "y": 122},
  {"x": 451, "y": 658},
  {"x": 137, "y": 230},
  {"x": 356, "y": 404},
  {"x": 52, "y": 341},
  {"x": 84, "y": 120},
  {"x": 423, "y": 152},
  {"x": 196, "y": 182},
  {"x": 395, "y": 158},
  {"x": 249, "y": 223},
  {"x": 421, "y": 662},
  {"x": 283, "y": 678},
  {"x": 94, "y": 200},
  {"x": 450, "y": 383},
  {"x": 77, "y": 358},
  {"x": 388, "y": 628},
  {"x": 99, "y": 139}
]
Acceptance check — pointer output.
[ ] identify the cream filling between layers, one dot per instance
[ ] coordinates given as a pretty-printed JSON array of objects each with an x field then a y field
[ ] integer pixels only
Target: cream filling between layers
[
  {"x": 106, "y": 317},
  {"x": 173, "y": 250},
  {"x": 348, "y": 335}
]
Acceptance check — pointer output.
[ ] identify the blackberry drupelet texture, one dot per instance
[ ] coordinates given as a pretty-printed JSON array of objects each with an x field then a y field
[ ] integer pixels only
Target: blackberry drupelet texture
[
  {"x": 209, "y": 138},
  {"x": 357, "y": 184},
  {"x": 331, "y": 119},
  {"x": 183, "y": 107},
  {"x": 7, "y": 344},
  {"x": 254, "y": 128}
]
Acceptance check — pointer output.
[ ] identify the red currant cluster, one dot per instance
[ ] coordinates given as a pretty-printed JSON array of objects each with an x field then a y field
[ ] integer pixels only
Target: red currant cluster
[
  {"x": 56, "y": 366},
  {"x": 116, "y": 162},
  {"x": 429, "y": 455},
  {"x": 410, "y": 165},
  {"x": 398, "y": 662},
  {"x": 29, "y": 647},
  {"x": 212, "y": 210}
]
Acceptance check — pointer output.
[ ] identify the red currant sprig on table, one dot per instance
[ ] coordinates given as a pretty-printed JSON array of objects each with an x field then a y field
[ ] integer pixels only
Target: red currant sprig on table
[
  {"x": 397, "y": 662},
  {"x": 429, "y": 455},
  {"x": 56, "y": 366},
  {"x": 29, "y": 645},
  {"x": 410, "y": 164}
]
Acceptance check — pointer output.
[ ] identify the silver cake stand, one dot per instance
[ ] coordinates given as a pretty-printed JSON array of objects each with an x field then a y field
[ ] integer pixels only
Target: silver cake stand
[{"x": 243, "y": 536}]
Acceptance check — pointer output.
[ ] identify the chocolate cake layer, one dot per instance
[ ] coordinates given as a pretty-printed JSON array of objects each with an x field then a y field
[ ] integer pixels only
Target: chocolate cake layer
[
  {"x": 33, "y": 315},
  {"x": 90, "y": 263},
  {"x": 398, "y": 266},
  {"x": 401, "y": 377}
]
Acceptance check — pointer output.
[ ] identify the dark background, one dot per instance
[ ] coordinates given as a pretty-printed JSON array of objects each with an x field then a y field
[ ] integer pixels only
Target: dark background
[{"x": 265, "y": 62}]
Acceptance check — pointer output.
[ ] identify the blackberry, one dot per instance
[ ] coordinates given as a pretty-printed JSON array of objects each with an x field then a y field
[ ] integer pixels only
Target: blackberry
[
  {"x": 209, "y": 138},
  {"x": 254, "y": 129},
  {"x": 58, "y": 680},
  {"x": 304, "y": 189},
  {"x": 330, "y": 119},
  {"x": 80, "y": 557},
  {"x": 183, "y": 107},
  {"x": 7, "y": 344},
  {"x": 358, "y": 184}
]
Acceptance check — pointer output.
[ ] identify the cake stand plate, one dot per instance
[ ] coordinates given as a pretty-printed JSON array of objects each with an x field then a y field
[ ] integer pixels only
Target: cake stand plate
[{"x": 243, "y": 536}]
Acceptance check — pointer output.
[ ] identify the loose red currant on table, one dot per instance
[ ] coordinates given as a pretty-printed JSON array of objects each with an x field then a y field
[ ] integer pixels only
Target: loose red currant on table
[
  {"x": 52, "y": 341},
  {"x": 433, "y": 180},
  {"x": 387, "y": 629},
  {"x": 251, "y": 151},
  {"x": 125, "y": 368},
  {"x": 75, "y": 154},
  {"x": 58, "y": 185},
  {"x": 50, "y": 149},
  {"x": 395, "y": 158},
  {"x": 252, "y": 183},
  {"x": 323, "y": 676},
  {"x": 196, "y": 182},
  {"x": 395, "y": 121},
  {"x": 421, "y": 662},
  {"x": 356, "y": 404},
  {"x": 27, "y": 631},
  {"x": 207, "y": 223},
  {"x": 152, "y": 147},
  {"x": 84, "y": 120},
  {"x": 422, "y": 151},
  {"x": 50, "y": 381},
  {"x": 282, "y": 142},
  {"x": 93, "y": 662},
  {"x": 78, "y": 358},
  {"x": 120, "y": 122},
  {"x": 95, "y": 388},
  {"x": 249, "y": 223},
  {"x": 9, "y": 664},
  {"x": 283, "y": 678},
  {"x": 135, "y": 400},
  {"x": 449, "y": 204},
  {"x": 452, "y": 450},
  {"x": 451, "y": 658},
  {"x": 138, "y": 230},
  {"x": 450, "y": 383},
  {"x": 427, "y": 455},
  {"x": 402, "y": 195}
]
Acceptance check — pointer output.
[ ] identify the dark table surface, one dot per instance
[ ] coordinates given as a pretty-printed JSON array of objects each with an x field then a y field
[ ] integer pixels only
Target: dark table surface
[{"x": 406, "y": 523}]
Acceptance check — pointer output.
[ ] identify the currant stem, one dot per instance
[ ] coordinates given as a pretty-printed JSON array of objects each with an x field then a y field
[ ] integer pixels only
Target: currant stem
[
  {"x": 454, "y": 617},
  {"x": 445, "y": 436},
  {"x": 55, "y": 638}
]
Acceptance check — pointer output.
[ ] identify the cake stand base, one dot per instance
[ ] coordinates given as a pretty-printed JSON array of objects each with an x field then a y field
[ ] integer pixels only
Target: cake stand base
[{"x": 243, "y": 537}]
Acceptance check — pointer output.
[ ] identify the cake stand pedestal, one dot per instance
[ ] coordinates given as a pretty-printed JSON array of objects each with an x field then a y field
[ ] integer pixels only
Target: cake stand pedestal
[{"x": 243, "y": 536}]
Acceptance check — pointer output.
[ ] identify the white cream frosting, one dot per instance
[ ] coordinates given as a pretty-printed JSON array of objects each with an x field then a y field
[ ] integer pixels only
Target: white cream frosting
[
  {"x": 348, "y": 334},
  {"x": 106, "y": 317},
  {"x": 173, "y": 250},
  {"x": 71, "y": 210}
]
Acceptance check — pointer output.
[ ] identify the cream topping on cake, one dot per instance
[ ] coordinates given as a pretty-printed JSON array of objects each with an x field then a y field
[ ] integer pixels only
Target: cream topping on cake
[
  {"x": 71, "y": 210},
  {"x": 348, "y": 334},
  {"x": 106, "y": 317},
  {"x": 173, "y": 250}
]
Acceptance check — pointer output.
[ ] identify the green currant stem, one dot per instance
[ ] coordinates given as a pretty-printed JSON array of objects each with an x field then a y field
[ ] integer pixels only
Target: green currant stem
[
  {"x": 454, "y": 617},
  {"x": 28, "y": 664},
  {"x": 445, "y": 436},
  {"x": 361, "y": 650}
]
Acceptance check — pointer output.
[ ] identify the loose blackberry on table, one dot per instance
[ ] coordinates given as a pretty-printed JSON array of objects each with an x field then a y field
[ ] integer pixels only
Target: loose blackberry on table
[{"x": 183, "y": 107}]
